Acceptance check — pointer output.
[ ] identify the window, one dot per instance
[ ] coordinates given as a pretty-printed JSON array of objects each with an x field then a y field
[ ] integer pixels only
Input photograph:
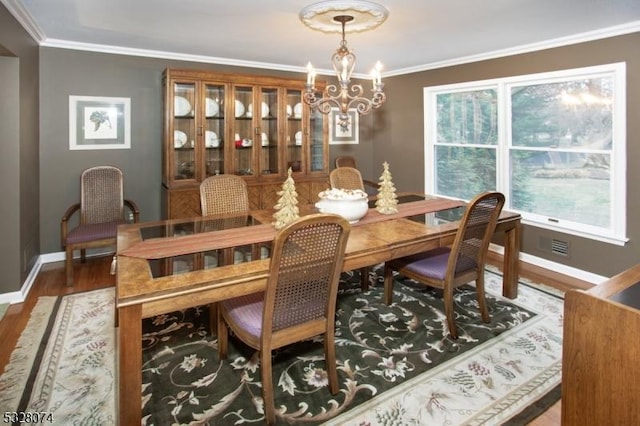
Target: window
[{"x": 553, "y": 143}]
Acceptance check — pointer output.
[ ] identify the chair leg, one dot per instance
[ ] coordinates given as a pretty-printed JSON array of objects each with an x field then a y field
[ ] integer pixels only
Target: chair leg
[
  {"x": 213, "y": 317},
  {"x": 267, "y": 387},
  {"x": 223, "y": 334},
  {"x": 388, "y": 284},
  {"x": 330, "y": 361},
  {"x": 68, "y": 265},
  {"x": 448, "y": 310},
  {"x": 364, "y": 278},
  {"x": 83, "y": 255},
  {"x": 482, "y": 302}
]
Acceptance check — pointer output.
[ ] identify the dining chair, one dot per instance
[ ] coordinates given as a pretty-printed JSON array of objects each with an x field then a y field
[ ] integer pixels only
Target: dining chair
[
  {"x": 299, "y": 301},
  {"x": 369, "y": 187},
  {"x": 346, "y": 178},
  {"x": 345, "y": 161},
  {"x": 223, "y": 194},
  {"x": 450, "y": 267},
  {"x": 350, "y": 178},
  {"x": 101, "y": 209}
]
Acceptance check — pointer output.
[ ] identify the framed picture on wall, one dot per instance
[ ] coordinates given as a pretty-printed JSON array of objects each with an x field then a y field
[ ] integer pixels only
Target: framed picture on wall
[
  {"x": 99, "y": 123},
  {"x": 343, "y": 133}
]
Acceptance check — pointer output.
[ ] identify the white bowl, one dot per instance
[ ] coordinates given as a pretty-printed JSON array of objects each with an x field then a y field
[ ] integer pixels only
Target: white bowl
[{"x": 352, "y": 205}]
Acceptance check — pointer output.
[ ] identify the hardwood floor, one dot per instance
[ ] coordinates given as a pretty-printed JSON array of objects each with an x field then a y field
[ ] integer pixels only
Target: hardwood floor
[{"x": 95, "y": 274}]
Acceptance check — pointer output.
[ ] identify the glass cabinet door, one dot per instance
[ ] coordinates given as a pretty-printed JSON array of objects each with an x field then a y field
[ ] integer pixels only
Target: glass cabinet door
[
  {"x": 294, "y": 131},
  {"x": 184, "y": 131},
  {"x": 268, "y": 137},
  {"x": 214, "y": 132},
  {"x": 316, "y": 142},
  {"x": 243, "y": 131}
]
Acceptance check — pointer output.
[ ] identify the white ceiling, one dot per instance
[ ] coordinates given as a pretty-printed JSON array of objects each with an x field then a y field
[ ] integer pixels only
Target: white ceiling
[{"x": 418, "y": 34}]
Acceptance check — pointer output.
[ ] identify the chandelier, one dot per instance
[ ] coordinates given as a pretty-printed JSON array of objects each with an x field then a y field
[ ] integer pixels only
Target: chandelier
[{"x": 333, "y": 16}]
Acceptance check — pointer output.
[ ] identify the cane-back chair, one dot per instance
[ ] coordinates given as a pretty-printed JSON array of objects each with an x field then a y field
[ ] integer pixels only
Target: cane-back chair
[
  {"x": 102, "y": 209},
  {"x": 345, "y": 161},
  {"x": 223, "y": 194},
  {"x": 345, "y": 177},
  {"x": 450, "y": 267},
  {"x": 299, "y": 301},
  {"x": 368, "y": 186}
]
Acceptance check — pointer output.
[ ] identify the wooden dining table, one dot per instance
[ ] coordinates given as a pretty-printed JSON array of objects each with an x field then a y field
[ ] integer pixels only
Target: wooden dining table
[{"x": 148, "y": 283}]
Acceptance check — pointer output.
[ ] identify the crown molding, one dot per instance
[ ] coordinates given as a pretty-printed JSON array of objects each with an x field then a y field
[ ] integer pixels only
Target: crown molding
[
  {"x": 118, "y": 50},
  {"x": 617, "y": 30},
  {"x": 16, "y": 8}
]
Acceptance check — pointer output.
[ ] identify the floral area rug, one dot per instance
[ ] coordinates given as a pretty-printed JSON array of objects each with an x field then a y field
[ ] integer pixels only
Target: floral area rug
[
  {"x": 396, "y": 364},
  {"x": 63, "y": 366}
]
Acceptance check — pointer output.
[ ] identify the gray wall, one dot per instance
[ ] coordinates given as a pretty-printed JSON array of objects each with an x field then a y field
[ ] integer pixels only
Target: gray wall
[
  {"x": 70, "y": 72},
  {"x": 399, "y": 137},
  {"x": 19, "y": 167}
]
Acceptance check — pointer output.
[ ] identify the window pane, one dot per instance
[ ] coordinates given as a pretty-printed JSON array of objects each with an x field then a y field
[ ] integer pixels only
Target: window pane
[
  {"x": 468, "y": 117},
  {"x": 463, "y": 172},
  {"x": 573, "y": 114},
  {"x": 562, "y": 185}
]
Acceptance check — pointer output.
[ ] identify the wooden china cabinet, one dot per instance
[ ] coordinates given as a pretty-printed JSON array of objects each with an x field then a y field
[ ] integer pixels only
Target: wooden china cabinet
[{"x": 253, "y": 126}]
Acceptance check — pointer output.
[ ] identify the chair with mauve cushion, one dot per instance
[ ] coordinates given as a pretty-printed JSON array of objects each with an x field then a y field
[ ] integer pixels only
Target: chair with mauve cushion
[
  {"x": 102, "y": 209},
  {"x": 345, "y": 177},
  {"x": 300, "y": 299},
  {"x": 450, "y": 267},
  {"x": 221, "y": 194}
]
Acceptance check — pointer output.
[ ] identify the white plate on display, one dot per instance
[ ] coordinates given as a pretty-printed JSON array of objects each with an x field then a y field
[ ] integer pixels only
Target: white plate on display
[
  {"x": 298, "y": 138},
  {"x": 265, "y": 110},
  {"x": 212, "y": 108},
  {"x": 211, "y": 139},
  {"x": 239, "y": 109},
  {"x": 297, "y": 110},
  {"x": 181, "y": 106},
  {"x": 289, "y": 111},
  {"x": 179, "y": 138},
  {"x": 264, "y": 139}
]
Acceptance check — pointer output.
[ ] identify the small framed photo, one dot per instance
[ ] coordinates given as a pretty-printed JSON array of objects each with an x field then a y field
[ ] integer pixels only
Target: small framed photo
[
  {"x": 99, "y": 123},
  {"x": 343, "y": 133}
]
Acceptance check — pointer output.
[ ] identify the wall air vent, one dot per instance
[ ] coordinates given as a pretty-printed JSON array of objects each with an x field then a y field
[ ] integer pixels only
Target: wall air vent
[{"x": 554, "y": 246}]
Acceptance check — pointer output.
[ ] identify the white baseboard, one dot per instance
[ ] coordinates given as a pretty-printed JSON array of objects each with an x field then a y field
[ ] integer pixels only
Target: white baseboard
[
  {"x": 20, "y": 296},
  {"x": 556, "y": 267}
]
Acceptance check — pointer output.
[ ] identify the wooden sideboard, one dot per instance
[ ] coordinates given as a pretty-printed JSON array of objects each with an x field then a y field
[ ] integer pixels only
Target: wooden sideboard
[{"x": 601, "y": 353}]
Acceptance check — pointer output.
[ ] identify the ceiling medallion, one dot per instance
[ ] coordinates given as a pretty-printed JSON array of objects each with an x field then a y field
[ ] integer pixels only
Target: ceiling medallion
[{"x": 321, "y": 16}]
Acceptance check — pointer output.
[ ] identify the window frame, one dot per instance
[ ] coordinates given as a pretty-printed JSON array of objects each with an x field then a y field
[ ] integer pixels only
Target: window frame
[{"x": 616, "y": 232}]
